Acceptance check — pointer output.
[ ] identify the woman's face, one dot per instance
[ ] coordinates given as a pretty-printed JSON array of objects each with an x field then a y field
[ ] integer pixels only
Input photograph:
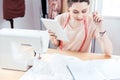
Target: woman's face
[{"x": 78, "y": 11}]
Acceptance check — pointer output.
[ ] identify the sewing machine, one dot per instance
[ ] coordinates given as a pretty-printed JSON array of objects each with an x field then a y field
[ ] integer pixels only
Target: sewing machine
[{"x": 12, "y": 56}]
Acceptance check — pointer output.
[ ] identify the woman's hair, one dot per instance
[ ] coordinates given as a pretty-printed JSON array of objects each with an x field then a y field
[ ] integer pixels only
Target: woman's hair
[{"x": 70, "y": 2}]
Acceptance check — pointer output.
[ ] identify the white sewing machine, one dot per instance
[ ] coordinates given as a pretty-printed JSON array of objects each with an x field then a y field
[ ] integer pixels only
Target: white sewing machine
[{"x": 12, "y": 56}]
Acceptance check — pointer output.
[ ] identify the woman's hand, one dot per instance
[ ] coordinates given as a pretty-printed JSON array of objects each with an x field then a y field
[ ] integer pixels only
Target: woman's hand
[
  {"x": 106, "y": 55},
  {"x": 53, "y": 38},
  {"x": 98, "y": 21},
  {"x": 52, "y": 35},
  {"x": 97, "y": 18}
]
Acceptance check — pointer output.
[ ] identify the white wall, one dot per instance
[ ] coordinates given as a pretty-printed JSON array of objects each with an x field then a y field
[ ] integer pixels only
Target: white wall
[
  {"x": 1, "y": 11},
  {"x": 31, "y": 20}
]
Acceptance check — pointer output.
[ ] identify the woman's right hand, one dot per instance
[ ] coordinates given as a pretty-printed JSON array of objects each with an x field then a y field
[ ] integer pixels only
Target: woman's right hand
[{"x": 53, "y": 38}]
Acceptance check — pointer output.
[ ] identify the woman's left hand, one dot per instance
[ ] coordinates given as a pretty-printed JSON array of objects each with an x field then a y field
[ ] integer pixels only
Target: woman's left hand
[
  {"x": 98, "y": 21},
  {"x": 97, "y": 18}
]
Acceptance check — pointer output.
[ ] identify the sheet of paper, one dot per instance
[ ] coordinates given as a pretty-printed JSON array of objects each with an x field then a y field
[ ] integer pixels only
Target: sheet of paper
[
  {"x": 109, "y": 68},
  {"x": 52, "y": 69},
  {"x": 55, "y": 27},
  {"x": 84, "y": 70},
  {"x": 31, "y": 75}
]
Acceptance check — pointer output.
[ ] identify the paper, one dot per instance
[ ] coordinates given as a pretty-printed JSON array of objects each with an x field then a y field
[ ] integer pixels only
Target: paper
[
  {"x": 55, "y": 27},
  {"x": 109, "y": 68},
  {"x": 54, "y": 69},
  {"x": 61, "y": 67},
  {"x": 84, "y": 70}
]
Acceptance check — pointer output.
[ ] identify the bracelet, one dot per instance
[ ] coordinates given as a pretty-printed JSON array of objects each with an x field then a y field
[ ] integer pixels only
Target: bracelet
[
  {"x": 102, "y": 33},
  {"x": 59, "y": 42}
]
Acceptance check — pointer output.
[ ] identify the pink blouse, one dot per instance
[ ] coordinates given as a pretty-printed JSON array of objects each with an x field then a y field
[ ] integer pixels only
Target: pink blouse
[{"x": 79, "y": 38}]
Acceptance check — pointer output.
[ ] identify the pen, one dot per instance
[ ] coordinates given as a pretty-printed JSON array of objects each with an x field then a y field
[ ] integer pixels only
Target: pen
[{"x": 70, "y": 72}]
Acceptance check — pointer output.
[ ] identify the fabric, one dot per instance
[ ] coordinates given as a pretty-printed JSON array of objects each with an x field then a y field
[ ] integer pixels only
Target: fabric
[
  {"x": 76, "y": 36},
  {"x": 13, "y": 8},
  {"x": 54, "y": 8}
]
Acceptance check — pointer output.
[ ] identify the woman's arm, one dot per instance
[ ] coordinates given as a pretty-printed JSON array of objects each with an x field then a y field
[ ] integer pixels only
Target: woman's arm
[{"x": 104, "y": 41}]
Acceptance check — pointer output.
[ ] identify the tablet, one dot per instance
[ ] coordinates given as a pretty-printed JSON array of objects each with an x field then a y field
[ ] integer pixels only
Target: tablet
[{"x": 55, "y": 27}]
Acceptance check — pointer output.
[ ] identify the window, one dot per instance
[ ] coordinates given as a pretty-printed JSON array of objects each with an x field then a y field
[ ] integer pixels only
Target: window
[
  {"x": 111, "y": 8},
  {"x": 107, "y": 7}
]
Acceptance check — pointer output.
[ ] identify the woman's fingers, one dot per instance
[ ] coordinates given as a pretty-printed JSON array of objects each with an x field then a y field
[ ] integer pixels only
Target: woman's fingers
[
  {"x": 52, "y": 34},
  {"x": 96, "y": 17}
]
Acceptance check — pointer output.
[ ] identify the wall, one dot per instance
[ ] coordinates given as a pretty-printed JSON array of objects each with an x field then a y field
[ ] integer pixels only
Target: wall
[
  {"x": 31, "y": 20},
  {"x": 1, "y": 11}
]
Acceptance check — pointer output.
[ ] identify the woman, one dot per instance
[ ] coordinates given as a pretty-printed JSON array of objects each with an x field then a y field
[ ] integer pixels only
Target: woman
[{"x": 81, "y": 28}]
